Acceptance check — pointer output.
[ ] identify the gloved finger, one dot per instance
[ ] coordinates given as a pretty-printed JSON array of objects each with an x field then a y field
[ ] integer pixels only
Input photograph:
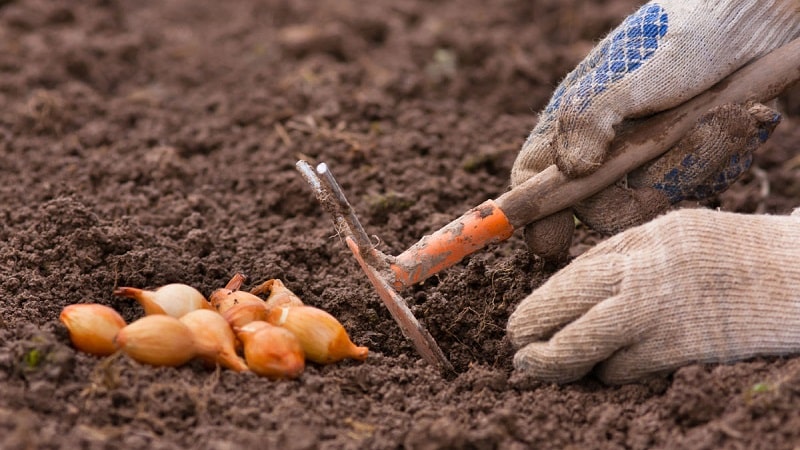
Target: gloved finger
[
  {"x": 712, "y": 155},
  {"x": 637, "y": 361},
  {"x": 664, "y": 345},
  {"x": 705, "y": 162},
  {"x": 680, "y": 289},
  {"x": 590, "y": 100},
  {"x": 618, "y": 208},
  {"x": 551, "y": 237},
  {"x": 575, "y": 350},
  {"x": 566, "y": 296},
  {"x": 659, "y": 57},
  {"x": 733, "y": 325}
]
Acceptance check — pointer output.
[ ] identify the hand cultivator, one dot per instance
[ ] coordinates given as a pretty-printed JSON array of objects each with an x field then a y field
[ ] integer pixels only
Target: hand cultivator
[{"x": 548, "y": 192}]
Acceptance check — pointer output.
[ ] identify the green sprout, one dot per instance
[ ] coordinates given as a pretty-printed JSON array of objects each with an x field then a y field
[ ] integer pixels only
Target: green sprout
[
  {"x": 760, "y": 388},
  {"x": 33, "y": 358}
]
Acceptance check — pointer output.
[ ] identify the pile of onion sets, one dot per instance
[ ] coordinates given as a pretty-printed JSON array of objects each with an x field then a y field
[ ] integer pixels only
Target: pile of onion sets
[{"x": 235, "y": 329}]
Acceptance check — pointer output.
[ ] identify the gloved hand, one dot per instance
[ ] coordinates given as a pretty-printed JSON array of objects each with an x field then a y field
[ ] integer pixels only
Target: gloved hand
[
  {"x": 662, "y": 55},
  {"x": 694, "y": 285}
]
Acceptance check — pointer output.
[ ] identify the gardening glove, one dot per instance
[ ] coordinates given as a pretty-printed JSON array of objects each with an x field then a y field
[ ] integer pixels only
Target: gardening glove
[
  {"x": 694, "y": 285},
  {"x": 659, "y": 57}
]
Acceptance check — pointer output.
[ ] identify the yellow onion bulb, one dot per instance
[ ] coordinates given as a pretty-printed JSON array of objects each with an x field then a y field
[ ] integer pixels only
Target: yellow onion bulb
[
  {"x": 174, "y": 299},
  {"x": 271, "y": 351},
  {"x": 158, "y": 340},
  {"x": 224, "y": 299},
  {"x": 244, "y": 313},
  {"x": 213, "y": 339},
  {"x": 92, "y": 327},
  {"x": 323, "y": 338},
  {"x": 279, "y": 294}
]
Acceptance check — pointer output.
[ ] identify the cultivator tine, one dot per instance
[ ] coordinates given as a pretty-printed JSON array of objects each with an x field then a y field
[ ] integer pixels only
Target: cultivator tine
[
  {"x": 332, "y": 198},
  {"x": 412, "y": 329}
]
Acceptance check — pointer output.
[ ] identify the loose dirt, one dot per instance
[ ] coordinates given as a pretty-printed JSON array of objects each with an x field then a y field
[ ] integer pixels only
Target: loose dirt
[{"x": 147, "y": 142}]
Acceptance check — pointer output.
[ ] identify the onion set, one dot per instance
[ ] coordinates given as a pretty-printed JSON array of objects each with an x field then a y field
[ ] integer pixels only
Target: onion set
[{"x": 275, "y": 336}]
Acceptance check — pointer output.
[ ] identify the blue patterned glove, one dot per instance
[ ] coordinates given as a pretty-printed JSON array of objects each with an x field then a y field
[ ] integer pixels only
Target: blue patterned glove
[
  {"x": 704, "y": 163},
  {"x": 659, "y": 57}
]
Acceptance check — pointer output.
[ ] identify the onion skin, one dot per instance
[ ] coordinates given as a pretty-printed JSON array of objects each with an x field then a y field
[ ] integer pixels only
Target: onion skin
[
  {"x": 279, "y": 294},
  {"x": 158, "y": 340},
  {"x": 174, "y": 299},
  {"x": 92, "y": 327},
  {"x": 323, "y": 338},
  {"x": 271, "y": 351},
  {"x": 214, "y": 339},
  {"x": 244, "y": 313},
  {"x": 224, "y": 299}
]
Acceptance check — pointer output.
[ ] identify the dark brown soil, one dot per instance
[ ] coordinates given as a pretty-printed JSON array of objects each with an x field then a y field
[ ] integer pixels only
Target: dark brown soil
[{"x": 148, "y": 142}]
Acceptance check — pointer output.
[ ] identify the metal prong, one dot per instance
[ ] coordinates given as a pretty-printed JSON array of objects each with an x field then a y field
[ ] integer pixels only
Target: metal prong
[
  {"x": 360, "y": 236},
  {"x": 331, "y": 197},
  {"x": 413, "y": 330},
  {"x": 325, "y": 196},
  {"x": 310, "y": 176},
  {"x": 346, "y": 213}
]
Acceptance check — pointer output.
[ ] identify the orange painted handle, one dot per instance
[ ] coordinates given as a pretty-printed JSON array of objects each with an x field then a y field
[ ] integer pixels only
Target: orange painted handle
[{"x": 480, "y": 226}]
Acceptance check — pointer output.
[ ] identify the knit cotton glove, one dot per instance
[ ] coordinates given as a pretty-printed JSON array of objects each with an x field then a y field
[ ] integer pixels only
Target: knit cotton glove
[
  {"x": 661, "y": 56},
  {"x": 691, "y": 286}
]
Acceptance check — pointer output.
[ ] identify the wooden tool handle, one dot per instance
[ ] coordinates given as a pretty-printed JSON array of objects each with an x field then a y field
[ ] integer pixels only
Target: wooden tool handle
[{"x": 551, "y": 191}]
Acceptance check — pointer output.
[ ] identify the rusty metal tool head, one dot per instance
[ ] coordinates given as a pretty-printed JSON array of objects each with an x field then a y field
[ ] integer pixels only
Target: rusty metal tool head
[
  {"x": 546, "y": 193},
  {"x": 373, "y": 262}
]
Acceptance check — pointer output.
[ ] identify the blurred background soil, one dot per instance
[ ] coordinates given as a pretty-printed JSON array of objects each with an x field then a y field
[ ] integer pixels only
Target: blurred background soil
[{"x": 149, "y": 142}]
